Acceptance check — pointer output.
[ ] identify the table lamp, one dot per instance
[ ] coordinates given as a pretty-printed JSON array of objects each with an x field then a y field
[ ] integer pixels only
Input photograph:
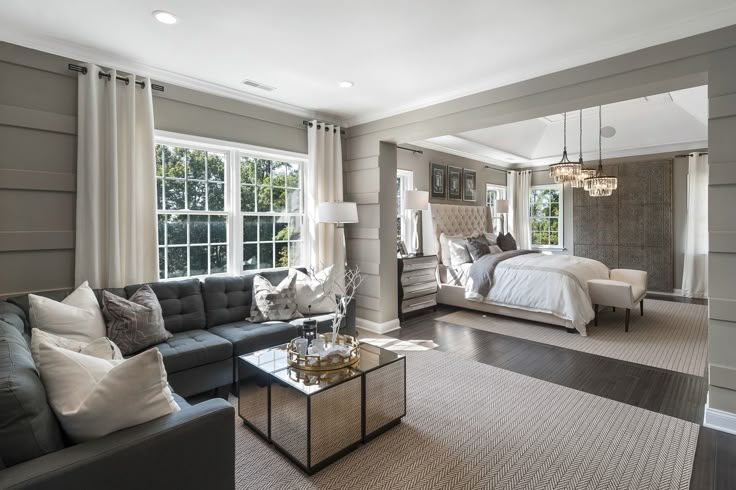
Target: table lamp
[{"x": 417, "y": 201}]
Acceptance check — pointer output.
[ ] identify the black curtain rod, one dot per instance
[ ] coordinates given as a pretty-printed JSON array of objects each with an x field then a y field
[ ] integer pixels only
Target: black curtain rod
[
  {"x": 410, "y": 149},
  {"x": 310, "y": 124},
  {"x": 691, "y": 154},
  {"x": 83, "y": 71}
]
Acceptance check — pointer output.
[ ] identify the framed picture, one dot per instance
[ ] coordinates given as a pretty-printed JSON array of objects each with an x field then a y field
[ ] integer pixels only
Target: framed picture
[
  {"x": 454, "y": 183},
  {"x": 401, "y": 248},
  {"x": 469, "y": 185},
  {"x": 438, "y": 180}
]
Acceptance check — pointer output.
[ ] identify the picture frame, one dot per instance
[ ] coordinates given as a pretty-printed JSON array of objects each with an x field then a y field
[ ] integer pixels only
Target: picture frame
[
  {"x": 469, "y": 185},
  {"x": 438, "y": 180},
  {"x": 401, "y": 248},
  {"x": 454, "y": 183}
]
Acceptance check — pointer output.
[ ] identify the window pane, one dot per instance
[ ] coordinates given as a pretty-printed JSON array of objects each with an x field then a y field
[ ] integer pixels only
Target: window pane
[
  {"x": 278, "y": 174},
  {"x": 553, "y": 223},
  {"x": 195, "y": 195},
  {"x": 175, "y": 161},
  {"x": 174, "y": 194},
  {"x": 247, "y": 198},
  {"x": 554, "y": 209},
  {"x": 263, "y": 172},
  {"x": 195, "y": 167},
  {"x": 554, "y": 239},
  {"x": 177, "y": 257},
  {"x": 176, "y": 229},
  {"x": 159, "y": 194},
  {"x": 198, "y": 229},
  {"x": 295, "y": 228},
  {"x": 161, "y": 263},
  {"x": 295, "y": 254},
  {"x": 281, "y": 228},
  {"x": 218, "y": 259},
  {"x": 218, "y": 229},
  {"x": 159, "y": 161},
  {"x": 161, "y": 229},
  {"x": 265, "y": 228},
  {"x": 536, "y": 224},
  {"x": 216, "y": 197},
  {"x": 247, "y": 171},
  {"x": 250, "y": 229},
  {"x": 250, "y": 256},
  {"x": 292, "y": 175},
  {"x": 266, "y": 255},
  {"x": 216, "y": 166},
  {"x": 282, "y": 254},
  {"x": 279, "y": 200},
  {"x": 293, "y": 201},
  {"x": 198, "y": 260},
  {"x": 264, "y": 199}
]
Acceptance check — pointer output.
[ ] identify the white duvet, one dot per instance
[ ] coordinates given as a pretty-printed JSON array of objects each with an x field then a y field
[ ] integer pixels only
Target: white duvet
[{"x": 555, "y": 284}]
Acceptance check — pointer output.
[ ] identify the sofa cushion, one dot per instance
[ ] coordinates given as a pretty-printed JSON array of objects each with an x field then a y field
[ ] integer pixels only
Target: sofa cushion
[
  {"x": 181, "y": 303},
  {"x": 249, "y": 337},
  {"x": 28, "y": 428},
  {"x": 192, "y": 348}
]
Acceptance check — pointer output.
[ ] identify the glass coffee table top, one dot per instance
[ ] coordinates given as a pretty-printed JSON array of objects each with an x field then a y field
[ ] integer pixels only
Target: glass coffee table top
[{"x": 273, "y": 361}]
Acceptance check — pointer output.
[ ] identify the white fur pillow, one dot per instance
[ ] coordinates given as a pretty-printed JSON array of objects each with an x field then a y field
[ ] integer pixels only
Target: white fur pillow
[
  {"x": 77, "y": 317},
  {"x": 93, "y": 397},
  {"x": 310, "y": 291}
]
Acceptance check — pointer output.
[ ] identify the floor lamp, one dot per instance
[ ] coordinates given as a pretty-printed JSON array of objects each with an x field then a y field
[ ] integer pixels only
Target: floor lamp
[
  {"x": 502, "y": 207},
  {"x": 417, "y": 201},
  {"x": 339, "y": 213}
]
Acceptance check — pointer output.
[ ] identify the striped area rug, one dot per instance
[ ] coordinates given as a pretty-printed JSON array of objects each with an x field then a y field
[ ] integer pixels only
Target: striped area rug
[
  {"x": 670, "y": 335},
  {"x": 470, "y": 425}
]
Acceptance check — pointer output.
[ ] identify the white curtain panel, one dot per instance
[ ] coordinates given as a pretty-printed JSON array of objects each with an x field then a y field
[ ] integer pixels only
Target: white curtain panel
[
  {"x": 116, "y": 241},
  {"x": 695, "y": 269},
  {"x": 324, "y": 184},
  {"x": 520, "y": 184}
]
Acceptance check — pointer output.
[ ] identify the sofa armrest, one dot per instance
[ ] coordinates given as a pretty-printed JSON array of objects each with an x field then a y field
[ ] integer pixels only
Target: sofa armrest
[
  {"x": 630, "y": 276},
  {"x": 13, "y": 315},
  {"x": 193, "y": 448}
]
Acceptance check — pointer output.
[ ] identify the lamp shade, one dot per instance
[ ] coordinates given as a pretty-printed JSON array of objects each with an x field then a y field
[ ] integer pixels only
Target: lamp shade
[
  {"x": 418, "y": 200},
  {"x": 502, "y": 206},
  {"x": 337, "y": 212}
]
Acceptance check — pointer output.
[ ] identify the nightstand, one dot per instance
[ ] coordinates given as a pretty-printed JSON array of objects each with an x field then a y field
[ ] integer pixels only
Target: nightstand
[{"x": 417, "y": 284}]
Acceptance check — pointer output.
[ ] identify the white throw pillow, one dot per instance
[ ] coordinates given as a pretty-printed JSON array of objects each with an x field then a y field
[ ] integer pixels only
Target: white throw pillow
[
  {"x": 445, "y": 247},
  {"x": 459, "y": 254},
  {"x": 93, "y": 397},
  {"x": 491, "y": 238},
  {"x": 315, "y": 290},
  {"x": 77, "y": 317},
  {"x": 102, "y": 348}
]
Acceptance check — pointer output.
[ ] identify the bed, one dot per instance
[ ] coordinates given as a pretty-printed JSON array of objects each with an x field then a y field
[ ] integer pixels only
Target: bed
[{"x": 539, "y": 287}]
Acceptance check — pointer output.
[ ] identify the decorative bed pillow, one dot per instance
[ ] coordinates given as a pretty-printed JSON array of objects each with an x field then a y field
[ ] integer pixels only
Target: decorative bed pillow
[
  {"x": 494, "y": 249},
  {"x": 135, "y": 323},
  {"x": 506, "y": 242},
  {"x": 491, "y": 238},
  {"x": 458, "y": 252},
  {"x": 77, "y": 317},
  {"x": 315, "y": 290},
  {"x": 477, "y": 247},
  {"x": 102, "y": 348},
  {"x": 445, "y": 247},
  {"x": 93, "y": 397},
  {"x": 274, "y": 302}
]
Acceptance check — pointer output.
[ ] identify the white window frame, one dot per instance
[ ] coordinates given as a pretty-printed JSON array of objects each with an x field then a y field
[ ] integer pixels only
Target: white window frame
[
  {"x": 233, "y": 151},
  {"x": 407, "y": 229},
  {"x": 560, "y": 188}
]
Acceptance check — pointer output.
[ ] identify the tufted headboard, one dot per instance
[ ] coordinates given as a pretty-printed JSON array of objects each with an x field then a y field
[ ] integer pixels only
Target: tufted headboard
[{"x": 453, "y": 219}]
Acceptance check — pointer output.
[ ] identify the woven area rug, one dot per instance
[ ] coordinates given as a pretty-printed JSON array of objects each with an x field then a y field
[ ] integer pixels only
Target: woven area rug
[
  {"x": 470, "y": 425},
  {"x": 670, "y": 335}
]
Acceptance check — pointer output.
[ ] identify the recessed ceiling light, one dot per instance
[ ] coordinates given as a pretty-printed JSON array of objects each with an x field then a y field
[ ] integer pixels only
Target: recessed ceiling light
[
  {"x": 165, "y": 17},
  {"x": 346, "y": 84}
]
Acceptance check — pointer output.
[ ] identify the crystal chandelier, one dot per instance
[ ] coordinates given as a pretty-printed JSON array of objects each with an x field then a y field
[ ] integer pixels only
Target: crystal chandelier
[
  {"x": 601, "y": 185},
  {"x": 565, "y": 171},
  {"x": 585, "y": 173}
]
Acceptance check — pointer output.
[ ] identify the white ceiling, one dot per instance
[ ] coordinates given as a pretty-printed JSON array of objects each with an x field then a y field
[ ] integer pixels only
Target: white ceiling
[
  {"x": 400, "y": 54},
  {"x": 675, "y": 121}
]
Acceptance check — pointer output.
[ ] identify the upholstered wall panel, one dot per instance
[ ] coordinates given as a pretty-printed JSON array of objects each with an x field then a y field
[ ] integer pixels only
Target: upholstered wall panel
[{"x": 631, "y": 229}]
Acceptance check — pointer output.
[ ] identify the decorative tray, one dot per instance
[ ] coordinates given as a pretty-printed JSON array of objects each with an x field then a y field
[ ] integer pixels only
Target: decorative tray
[{"x": 346, "y": 354}]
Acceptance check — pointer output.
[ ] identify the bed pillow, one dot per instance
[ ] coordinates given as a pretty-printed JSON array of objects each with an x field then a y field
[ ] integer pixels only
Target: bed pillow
[
  {"x": 506, "y": 242},
  {"x": 494, "y": 249},
  {"x": 458, "y": 252},
  {"x": 273, "y": 302},
  {"x": 77, "y": 317},
  {"x": 445, "y": 247},
  {"x": 491, "y": 238},
  {"x": 136, "y": 323},
  {"x": 315, "y": 290},
  {"x": 477, "y": 247},
  {"x": 93, "y": 397}
]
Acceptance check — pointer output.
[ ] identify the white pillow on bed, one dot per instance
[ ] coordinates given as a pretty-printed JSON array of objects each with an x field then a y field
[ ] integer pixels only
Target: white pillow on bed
[
  {"x": 495, "y": 249},
  {"x": 491, "y": 238},
  {"x": 446, "y": 250},
  {"x": 459, "y": 254}
]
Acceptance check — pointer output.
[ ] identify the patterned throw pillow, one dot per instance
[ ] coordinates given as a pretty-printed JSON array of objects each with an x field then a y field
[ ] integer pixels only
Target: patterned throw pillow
[
  {"x": 273, "y": 302},
  {"x": 477, "y": 247},
  {"x": 136, "y": 323},
  {"x": 506, "y": 242}
]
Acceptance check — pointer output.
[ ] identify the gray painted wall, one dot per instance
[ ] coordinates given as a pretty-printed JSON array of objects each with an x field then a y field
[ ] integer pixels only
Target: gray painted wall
[{"x": 38, "y": 124}]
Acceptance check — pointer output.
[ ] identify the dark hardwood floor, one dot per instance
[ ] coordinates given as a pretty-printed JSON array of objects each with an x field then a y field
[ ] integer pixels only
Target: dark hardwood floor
[{"x": 668, "y": 392}]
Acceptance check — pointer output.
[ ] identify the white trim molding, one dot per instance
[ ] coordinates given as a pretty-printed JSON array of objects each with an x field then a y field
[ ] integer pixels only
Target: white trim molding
[
  {"x": 719, "y": 420},
  {"x": 374, "y": 327}
]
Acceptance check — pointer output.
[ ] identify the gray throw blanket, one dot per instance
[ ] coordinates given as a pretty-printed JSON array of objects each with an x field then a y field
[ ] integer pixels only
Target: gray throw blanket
[{"x": 480, "y": 274}]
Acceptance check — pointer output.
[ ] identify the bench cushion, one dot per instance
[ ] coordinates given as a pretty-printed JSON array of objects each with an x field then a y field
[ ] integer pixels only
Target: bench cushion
[
  {"x": 249, "y": 337},
  {"x": 192, "y": 348}
]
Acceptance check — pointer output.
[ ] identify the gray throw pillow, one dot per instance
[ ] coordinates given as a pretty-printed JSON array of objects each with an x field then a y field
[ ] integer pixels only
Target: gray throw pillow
[
  {"x": 506, "y": 242},
  {"x": 274, "y": 302},
  {"x": 477, "y": 247},
  {"x": 135, "y": 323}
]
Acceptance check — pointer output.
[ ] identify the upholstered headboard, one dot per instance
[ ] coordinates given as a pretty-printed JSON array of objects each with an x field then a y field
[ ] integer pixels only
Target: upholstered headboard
[{"x": 453, "y": 219}]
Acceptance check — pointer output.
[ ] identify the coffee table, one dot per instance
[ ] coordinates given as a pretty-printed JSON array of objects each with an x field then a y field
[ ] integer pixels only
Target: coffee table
[{"x": 314, "y": 418}]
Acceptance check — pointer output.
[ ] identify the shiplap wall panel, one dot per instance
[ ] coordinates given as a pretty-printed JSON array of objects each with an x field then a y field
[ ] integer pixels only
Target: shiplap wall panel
[
  {"x": 36, "y": 270},
  {"x": 28, "y": 87},
  {"x": 21, "y": 150}
]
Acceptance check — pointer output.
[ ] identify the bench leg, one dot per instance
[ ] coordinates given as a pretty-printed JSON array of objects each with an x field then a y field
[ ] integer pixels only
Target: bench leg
[
  {"x": 641, "y": 307},
  {"x": 628, "y": 314},
  {"x": 595, "y": 309}
]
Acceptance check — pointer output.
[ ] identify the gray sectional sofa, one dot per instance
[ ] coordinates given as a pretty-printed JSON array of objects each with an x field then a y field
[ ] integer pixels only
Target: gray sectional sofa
[{"x": 207, "y": 320}]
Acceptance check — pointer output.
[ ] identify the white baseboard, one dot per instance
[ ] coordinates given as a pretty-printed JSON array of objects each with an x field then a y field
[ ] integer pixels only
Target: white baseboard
[
  {"x": 719, "y": 420},
  {"x": 374, "y": 327}
]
